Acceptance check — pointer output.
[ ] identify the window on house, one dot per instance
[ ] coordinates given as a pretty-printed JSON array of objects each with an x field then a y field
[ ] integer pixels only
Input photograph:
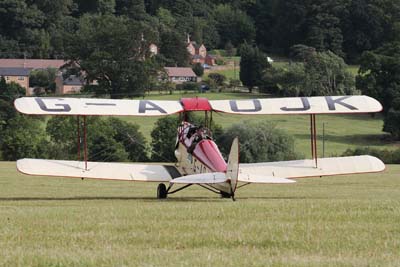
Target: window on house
[
  {"x": 21, "y": 78},
  {"x": 7, "y": 78}
]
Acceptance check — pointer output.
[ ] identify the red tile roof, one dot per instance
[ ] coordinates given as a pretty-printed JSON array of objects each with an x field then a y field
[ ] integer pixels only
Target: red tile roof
[
  {"x": 180, "y": 72},
  {"x": 31, "y": 63}
]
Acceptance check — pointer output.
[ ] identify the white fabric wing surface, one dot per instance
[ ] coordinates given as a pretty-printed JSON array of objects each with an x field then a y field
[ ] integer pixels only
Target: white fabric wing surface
[
  {"x": 94, "y": 106},
  {"x": 299, "y": 105},
  {"x": 98, "y": 170},
  {"x": 306, "y": 168}
]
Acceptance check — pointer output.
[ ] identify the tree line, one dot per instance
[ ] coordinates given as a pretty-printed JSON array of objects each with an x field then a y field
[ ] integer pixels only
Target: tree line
[{"x": 48, "y": 28}]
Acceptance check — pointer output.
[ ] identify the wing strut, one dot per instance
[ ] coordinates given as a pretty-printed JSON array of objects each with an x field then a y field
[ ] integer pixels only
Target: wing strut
[
  {"x": 313, "y": 134},
  {"x": 78, "y": 129},
  {"x": 85, "y": 142}
]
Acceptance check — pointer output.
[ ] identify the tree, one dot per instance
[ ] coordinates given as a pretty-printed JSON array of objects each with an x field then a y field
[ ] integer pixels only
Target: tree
[
  {"x": 327, "y": 74},
  {"x": 134, "y": 9},
  {"x": 259, "y": 142},
  {"x": 252, "y": 64},
  {"x": 198, "y": 69},
  {"x": 163, "y": 137},
  {"x": 173, "y": 49},
  {"x": 166, "y": 20},
  {"x": 43, "y": 79},
  {"x": 23, "y": 137},
  {"x": 10, "y": 91},
  {"x": 324, "y": 32},
  {"x": 368, "y": 24},
  {"x": 233, "y": 25},
  {"x": 115, "y": 52},
  {"x": 108, "y": 139},
  {"x": 288, "y": 82},
  {"x": 131, "y": 138},
  {"x": 379, "y": 77},
  {"x": 217, "y": 78},
  {"x": 230, "y": 50},
  {"x": 317, "y": 73},
  {"x": 105, "y": 148}
]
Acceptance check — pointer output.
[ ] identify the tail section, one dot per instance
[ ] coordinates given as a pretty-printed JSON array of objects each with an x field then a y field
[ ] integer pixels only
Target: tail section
[{"x": 232, "y": 169}]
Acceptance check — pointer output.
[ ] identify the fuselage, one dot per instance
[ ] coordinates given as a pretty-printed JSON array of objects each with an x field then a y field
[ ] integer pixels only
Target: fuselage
[{"x": 196, "y": 153}]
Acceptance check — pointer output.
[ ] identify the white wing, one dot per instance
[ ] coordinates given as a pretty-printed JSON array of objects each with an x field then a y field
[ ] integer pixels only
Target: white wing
[
  {"x": 98, "y": 170},
  {"x": 94, "y": 106},
  {"x": 299, "y": 105},
  {"x": 306, "y": 168}
]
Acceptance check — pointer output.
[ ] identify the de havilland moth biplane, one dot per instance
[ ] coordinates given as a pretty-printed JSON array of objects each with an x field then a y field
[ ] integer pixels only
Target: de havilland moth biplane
[{"x": 199, "y": 161}]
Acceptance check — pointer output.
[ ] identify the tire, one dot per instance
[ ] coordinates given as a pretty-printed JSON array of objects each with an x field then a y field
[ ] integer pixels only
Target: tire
[
  {"x": 162, "y": 191},
  {"x": 225, "y": 195}
]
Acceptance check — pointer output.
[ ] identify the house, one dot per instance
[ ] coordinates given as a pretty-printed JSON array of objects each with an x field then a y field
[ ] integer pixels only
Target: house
[
  {"x": 198, "y": 53},
  {"x": 180, "y": 75},
  {"x": 210, "y": 60},
  {"x": 20, "y": 69},
  {"x": 72, "y": 85},
  {"x": 153, "y": 49},
  {"x": 31, "y": 63},
  {"x": 17, "y": 75}
]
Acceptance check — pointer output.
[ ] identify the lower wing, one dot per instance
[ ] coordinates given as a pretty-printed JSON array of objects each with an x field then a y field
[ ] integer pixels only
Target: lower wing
[
  {"x": 254, "y": 172},
  {"x": 98, "y": 170}
]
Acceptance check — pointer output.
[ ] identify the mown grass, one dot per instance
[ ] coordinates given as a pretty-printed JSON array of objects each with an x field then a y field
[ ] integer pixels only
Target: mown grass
[
  {"x": 331, "y": 221},
  {"x": 341, "y": 131},
  {"x": 230, "y": 74}
]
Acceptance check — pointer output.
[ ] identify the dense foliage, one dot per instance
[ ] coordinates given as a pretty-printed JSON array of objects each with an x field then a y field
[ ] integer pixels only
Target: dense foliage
[
  {"x": 108, "y": 139},
  {"x": 387, "y": 156},
  {"x": 379, "y": 77},
  {"x": 259, "y": 142},
  {"x": 310, "y": 73},
  {"x": 20, "y": 136},
  {"x": 46, "y": 28}
]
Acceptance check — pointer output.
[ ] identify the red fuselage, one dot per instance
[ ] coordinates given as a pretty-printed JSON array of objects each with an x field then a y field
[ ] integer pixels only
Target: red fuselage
[{"x": 201, "y": 147}]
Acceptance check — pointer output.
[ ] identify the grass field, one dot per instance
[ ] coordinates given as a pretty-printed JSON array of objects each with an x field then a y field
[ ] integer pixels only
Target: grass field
[
  {"x": 341, "y": 131},
  {"x": 331, "y": 221},
  {"x": 231, "y": 73}
]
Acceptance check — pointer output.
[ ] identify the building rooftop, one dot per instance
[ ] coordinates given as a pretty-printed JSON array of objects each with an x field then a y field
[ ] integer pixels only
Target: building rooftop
[
  {"x": 31, "y": 63},
  {"x": 180, "y": 72},
  {"x": 14, "y": 71}
]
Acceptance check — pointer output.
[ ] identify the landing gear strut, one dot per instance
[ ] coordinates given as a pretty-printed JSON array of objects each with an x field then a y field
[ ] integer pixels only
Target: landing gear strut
[{"x": 162, "y": 191}]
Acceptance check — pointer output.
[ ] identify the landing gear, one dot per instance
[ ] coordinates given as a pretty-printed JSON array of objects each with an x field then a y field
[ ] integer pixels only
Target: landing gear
[
  {"x": 162, "y": 191},
  {"x": 225, "y": 194}
]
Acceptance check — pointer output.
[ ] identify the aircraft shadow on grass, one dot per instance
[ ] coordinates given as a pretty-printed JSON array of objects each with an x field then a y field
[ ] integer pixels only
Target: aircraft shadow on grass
[{"x": 149, "y": 199}]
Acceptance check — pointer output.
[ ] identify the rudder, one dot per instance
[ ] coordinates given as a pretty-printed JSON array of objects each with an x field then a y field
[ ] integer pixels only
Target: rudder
[{"x": 232, "y": 169}]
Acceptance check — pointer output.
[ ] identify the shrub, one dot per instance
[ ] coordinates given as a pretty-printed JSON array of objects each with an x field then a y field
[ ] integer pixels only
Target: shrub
[
  {"x": 387, "y": 156},
  {"x": 259, "y": 142}
]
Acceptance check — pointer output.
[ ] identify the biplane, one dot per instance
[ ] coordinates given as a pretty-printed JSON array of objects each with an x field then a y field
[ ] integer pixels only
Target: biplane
[{"x": 199, "y": 161}]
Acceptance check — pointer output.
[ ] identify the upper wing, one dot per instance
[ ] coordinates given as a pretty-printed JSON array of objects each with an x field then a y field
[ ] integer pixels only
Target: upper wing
[
  {"x": 299, "y": 105},
  {"x": 93, "y": 106},
  {"x": 98, "y": 170},
  {"x": 306, "y": 168}
]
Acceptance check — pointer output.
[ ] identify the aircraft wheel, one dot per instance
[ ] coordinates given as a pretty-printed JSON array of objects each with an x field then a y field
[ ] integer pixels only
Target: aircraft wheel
[
  {"x": 161, "y": 191},
  {"x": 225, "y": 195}
]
